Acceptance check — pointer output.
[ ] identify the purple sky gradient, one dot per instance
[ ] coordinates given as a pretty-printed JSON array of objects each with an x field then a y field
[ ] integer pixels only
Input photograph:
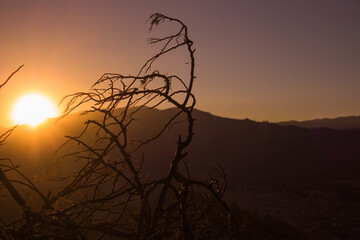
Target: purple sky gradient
[{"x": 263, "y": 60}]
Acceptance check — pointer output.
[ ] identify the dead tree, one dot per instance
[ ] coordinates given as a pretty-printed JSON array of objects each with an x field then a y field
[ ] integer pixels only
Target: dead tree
[{"x": 109, "y": 194}]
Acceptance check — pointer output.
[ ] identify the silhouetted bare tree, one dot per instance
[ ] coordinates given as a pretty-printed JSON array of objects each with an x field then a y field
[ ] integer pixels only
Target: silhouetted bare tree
[{"x": 109, "y": 194}]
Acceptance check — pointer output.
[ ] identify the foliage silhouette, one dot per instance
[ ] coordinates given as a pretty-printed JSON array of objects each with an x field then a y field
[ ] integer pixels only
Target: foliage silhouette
[{"x": 109, "y": 194}]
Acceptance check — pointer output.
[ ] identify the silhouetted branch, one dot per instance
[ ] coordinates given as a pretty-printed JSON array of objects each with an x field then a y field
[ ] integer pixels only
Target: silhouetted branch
[
  {"x": 12, "y": 74},
  {"x": 108, "y": 193}
]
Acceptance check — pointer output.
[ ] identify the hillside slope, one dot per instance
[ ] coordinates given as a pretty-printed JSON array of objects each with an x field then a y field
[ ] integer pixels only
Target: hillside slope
[
  {"x": 305, "y": 177},
  {"x": 250, "y": 152}
]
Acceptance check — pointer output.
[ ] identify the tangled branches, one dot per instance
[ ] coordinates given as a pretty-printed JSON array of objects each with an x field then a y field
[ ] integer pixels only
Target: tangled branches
[{"x": 109, "y": 193}]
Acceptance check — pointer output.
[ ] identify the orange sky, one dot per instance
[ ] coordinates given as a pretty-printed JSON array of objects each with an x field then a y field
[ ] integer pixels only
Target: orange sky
[{"x": 263, "y": 60}]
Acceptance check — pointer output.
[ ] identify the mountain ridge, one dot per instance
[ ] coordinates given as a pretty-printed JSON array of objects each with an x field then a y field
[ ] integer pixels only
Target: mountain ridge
[
  {"x": 341, "y": 122},
  {"x": 251, "y": 152},
  {"x": 344, "y": 122}
]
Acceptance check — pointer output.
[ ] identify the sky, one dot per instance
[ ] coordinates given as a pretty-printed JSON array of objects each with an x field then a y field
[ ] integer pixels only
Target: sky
[{"x": 264, "y": 60}]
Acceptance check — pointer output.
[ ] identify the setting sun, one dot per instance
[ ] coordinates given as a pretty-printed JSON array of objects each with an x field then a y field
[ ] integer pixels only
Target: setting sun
[{"x": 33, "y": 109}]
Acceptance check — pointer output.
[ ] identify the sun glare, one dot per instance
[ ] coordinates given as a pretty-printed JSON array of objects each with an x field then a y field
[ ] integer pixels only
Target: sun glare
[{"x": 33, "y": 109}]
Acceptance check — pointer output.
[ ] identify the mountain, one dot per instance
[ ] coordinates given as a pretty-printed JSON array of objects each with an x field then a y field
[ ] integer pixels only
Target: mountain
[
  {"x": 308, "y": 177},
  {"x": 250, "y": 152},
  {"x": 351, "y": 122}
]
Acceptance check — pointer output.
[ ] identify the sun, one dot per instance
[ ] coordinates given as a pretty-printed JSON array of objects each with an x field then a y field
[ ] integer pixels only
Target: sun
[{"x": 33, "y": 109}]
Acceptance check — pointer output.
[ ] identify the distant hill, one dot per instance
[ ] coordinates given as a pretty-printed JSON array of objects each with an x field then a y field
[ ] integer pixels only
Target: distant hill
[
  {"x": 351, "y": 122},
  {"x": 250, "y": 152}
]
